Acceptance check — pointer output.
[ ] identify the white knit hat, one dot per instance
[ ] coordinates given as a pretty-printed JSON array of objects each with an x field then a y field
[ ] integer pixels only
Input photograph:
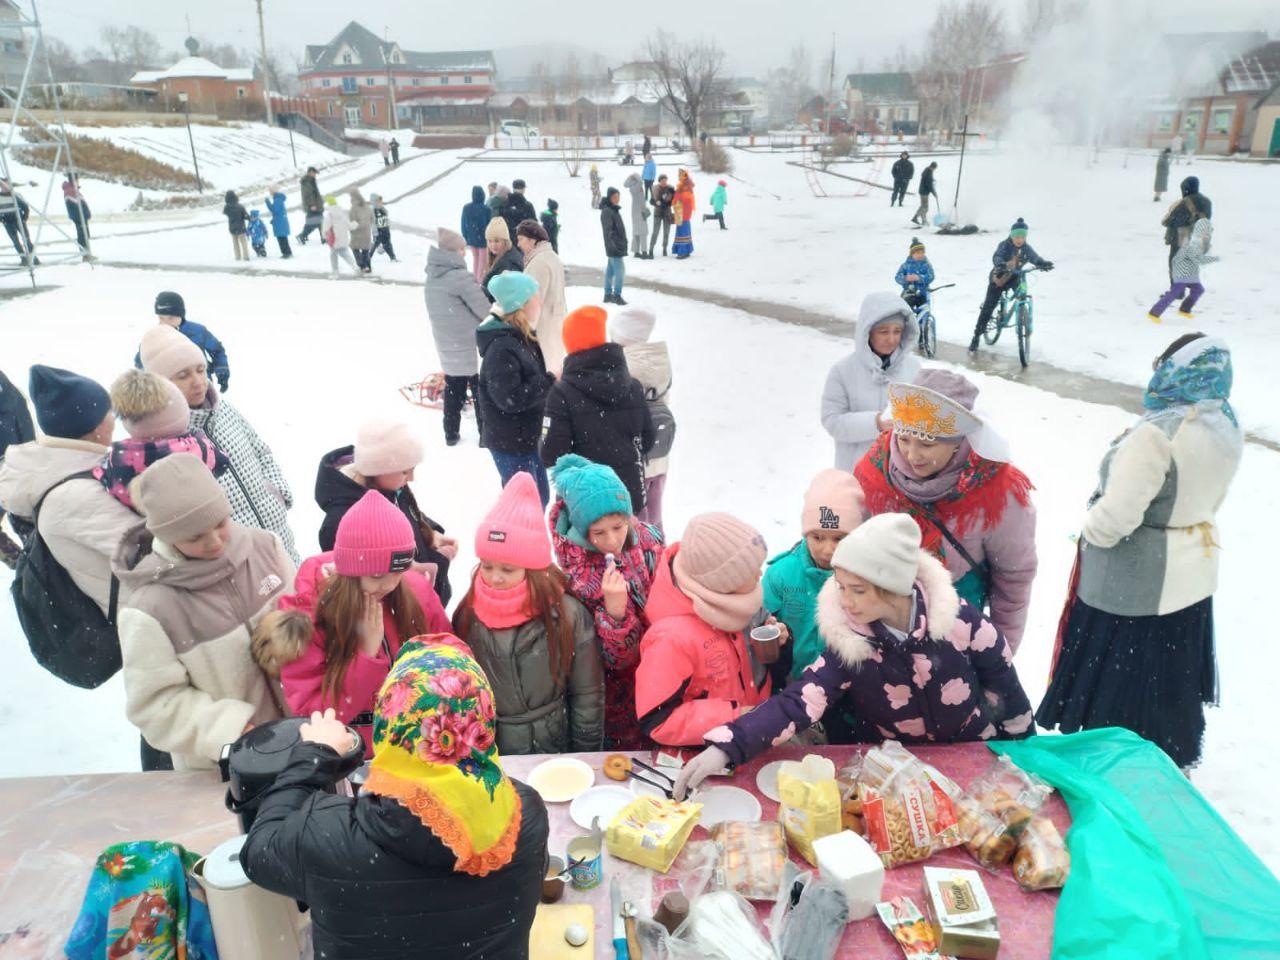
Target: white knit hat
[
  {"x": 631, "y": 326},
  {"x": 386, "y": 446},
  {"x": 884, "y": 550},
  {"x": 166, "y": 352}
]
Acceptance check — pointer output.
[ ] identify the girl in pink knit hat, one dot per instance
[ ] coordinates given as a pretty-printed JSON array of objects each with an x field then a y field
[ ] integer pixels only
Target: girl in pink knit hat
[
  {"x": 333, "y": 640},
  {"x": 536, "y": 643}
]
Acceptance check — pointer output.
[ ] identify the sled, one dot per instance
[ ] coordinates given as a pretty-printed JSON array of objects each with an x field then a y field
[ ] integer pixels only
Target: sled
[{"x": 427, "y": 392}]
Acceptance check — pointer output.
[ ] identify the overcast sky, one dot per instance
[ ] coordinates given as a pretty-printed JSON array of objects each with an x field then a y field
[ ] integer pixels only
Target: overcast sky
[{"x": 756, "y": 34}]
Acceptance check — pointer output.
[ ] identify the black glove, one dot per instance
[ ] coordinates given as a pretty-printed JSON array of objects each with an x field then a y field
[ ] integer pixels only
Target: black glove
[
  {"x": 1047, "y": 265},
  {"x": 223, "y": 380}
]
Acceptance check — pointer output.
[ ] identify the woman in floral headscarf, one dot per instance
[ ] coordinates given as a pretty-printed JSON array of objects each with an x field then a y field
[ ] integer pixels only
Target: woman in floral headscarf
[
  {"x": 682, "y": 210},
  {"x": 441, "y": 855},
  {"x": 1135, "y": 648},
  {"x": 945, "y": 466}
]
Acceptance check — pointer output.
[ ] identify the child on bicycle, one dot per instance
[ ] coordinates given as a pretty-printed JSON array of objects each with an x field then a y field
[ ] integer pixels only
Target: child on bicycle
[
  {"x": 915, "y": 275},
  {"x": 1010, "y": 257}
]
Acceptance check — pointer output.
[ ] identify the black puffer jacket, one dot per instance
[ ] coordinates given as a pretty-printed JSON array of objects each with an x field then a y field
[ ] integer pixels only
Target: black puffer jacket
[
  {"x": 903, "y": 170},
  {"x": 598, "y": 411},
  {"x": 380, "y": 884},
  {"x": 615, "y": 231},
  {"x": 662, "y": 196},
  {"x": 237, "y": 216},
  {"x": 513, "y": 259},
  {"x": 513, "y": 388},
  {"x": 336, "y": 493},
  {"x": 516, "y": 211}
]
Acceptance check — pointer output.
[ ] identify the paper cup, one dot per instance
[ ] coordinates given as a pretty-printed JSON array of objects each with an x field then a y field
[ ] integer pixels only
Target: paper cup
[{"x": 766, "y": 637}]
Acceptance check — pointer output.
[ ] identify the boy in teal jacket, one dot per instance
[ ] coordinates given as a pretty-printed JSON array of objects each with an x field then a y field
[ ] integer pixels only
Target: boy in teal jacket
[
  {"x": 718, "y": 200},
  {"x": 832, "y": 509}
]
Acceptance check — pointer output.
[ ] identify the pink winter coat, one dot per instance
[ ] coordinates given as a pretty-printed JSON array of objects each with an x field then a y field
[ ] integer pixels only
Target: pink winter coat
[
  {"x": 304, "y": 677},
  {"x": 692, "y": 676},
  {"x": 619, "y": 639}
]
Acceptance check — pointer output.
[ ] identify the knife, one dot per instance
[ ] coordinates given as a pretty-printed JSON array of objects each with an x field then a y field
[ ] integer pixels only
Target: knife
[{"x": 620, "y": 950}]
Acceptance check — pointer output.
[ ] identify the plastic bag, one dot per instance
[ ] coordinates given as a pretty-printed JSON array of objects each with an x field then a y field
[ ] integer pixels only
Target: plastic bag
[
  {"x": 908, "y": 807},
  {"x": 751, "y": 857},
  {"x": 810, "y": 802},
  {"x": 1042, "y": 861},
  {"x": 725, "y": 925},
  {"x": 690, "y": 873},
  {"x": 997, "y": 808},
  {"x": 812, "y": 928},
  {"x": 650, "y": 831}
]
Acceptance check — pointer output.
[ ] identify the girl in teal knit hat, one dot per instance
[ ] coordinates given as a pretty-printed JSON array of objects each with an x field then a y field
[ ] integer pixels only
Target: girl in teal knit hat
[{"x": 609, "y": 557}]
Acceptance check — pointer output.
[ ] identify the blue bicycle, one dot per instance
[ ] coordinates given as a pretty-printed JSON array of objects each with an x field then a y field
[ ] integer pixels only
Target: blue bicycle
[
  {"x": 1015, "y": 310},
  {"x": 921, "y": 306}
]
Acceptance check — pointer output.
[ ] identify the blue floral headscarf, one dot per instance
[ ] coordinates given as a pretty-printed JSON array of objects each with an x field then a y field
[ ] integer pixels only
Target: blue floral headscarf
[{"x": 1200, "y": 371}]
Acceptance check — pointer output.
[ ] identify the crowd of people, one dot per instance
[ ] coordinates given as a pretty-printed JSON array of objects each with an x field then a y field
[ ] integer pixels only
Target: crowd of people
[{"x": 898, "y": 608}]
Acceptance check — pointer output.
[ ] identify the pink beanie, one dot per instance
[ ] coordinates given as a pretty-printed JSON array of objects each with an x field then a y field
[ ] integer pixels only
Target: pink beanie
[
  {"x": 166, "y": 352},
  {"x": 832, "y": 502},
  {"x": 515, "y": 531},
  {"x": 373, "y": 538},
  {"x": 149, "y": 406},
  {"x": 718, "y": 568},
  {"x": 386, "y": 446}
]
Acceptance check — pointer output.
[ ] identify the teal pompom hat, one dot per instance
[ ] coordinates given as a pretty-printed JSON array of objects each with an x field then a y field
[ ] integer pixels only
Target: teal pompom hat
[
  {"x": 512, "y": 290},
  {"x": 589, "y": 491}
]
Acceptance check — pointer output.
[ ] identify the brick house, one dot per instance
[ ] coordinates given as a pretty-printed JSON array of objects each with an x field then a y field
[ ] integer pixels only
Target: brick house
[
  {"x": 365, "y": 81},
  {"x": 883, "y": 102},
  {"x": 230, "y": 92}
]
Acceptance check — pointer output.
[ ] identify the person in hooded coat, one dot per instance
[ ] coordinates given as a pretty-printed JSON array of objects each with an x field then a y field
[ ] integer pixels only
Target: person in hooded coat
[
  {"x": 1182, "y": 216},
  {"x": 639, "y": 216},
  {"x": 441, "y": 856},
  {"x": 361, "y": 231},
  {"x": 475, "y": 217},
  {"x": 455, "y": 307},
  {"x": 597, "y": 409},
  {"x": 237, "y": 223},
  {"x": 312, "y": 205},
  {"x": 857, "y": 389},
  {"x": 1162, "y": 173},
  {"x": 277, "y": 207}
]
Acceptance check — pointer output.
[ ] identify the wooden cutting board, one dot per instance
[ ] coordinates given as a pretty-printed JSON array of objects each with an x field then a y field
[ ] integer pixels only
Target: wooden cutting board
[{"x": 546, "y": 939}]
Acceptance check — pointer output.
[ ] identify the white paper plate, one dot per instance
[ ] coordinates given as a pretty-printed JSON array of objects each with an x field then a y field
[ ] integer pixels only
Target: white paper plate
[
  {"x": 603, "y": 802},
  {"x": 642, "y": 789},
  {"x": 726, "y": 803},
  {"x": 767, "y": 780},
  {"x": 561, "y": 779}
]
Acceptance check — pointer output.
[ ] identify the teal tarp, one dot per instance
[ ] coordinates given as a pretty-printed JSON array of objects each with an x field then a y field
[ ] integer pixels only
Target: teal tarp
[{"x": 1155, "y": 871}]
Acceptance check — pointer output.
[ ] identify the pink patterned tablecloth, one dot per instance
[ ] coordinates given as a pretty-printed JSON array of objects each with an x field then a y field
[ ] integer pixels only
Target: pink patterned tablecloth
[
  {"x": 52, "y": 828},
  {"x": 1026, "y": 919}
]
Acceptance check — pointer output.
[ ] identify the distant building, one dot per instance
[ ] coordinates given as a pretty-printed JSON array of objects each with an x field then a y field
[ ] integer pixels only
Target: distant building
[
  {"x": 365, "y": 81},
  {"x": 624, "y": 101},
  {"x": 1266, "y": 131},
  {"x": 209, "y": 88},
  {"x": 882, "y": 102},
  {"x": 13, "y": 49}
]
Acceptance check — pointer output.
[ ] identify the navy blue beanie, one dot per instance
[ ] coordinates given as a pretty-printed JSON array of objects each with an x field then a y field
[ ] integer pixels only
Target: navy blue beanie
[
  {"x": 169, "y": 304},
  {"x": 67, "y": 405},
  {"x": 1018, "y": 225},
  {"x": 1190, "y": 185}
]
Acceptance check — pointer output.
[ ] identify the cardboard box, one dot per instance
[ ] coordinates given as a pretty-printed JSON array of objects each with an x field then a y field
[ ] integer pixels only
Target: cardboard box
[{"x": 961, "y": 914}]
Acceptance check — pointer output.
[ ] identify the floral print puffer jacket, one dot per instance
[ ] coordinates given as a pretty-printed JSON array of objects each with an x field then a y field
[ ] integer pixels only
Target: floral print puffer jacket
[{"x": 951, "y": 679}]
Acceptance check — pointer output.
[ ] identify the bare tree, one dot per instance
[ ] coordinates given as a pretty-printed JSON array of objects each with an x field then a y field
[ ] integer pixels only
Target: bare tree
[
  {"x": 63, "y": 60},
  {"x": 686, "y": 77},
  {"x": 790, "y": 86},
  {"x": 962, "y": 36},
  {"x": 1040, "y": 17},
  {"x": 129, "y": 49}
]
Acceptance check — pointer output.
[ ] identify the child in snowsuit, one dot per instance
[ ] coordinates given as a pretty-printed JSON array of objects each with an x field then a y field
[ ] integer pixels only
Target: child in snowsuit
[
  {"x": 792, "y": 580},
  {"x": 718, "y": 200},
  {"x": 257, "y": 233},
  {"x": 915, "y": 276},
  {"x": 237, "y": 218},
  {"x": 382, "y": 227},
  {"x": 154, "y": 414},
  {"x": 551, "y": 223},
  {"x": 335, "y": 637},
  {"x": 610, "y": 558},
  {"x": 696, "y": 671},
  {"x": 1186, "y": 272},
  {"x": 171, "y": 311},
  {"x": 909, "y": 658},
  {"x": 536, "y": 643}
]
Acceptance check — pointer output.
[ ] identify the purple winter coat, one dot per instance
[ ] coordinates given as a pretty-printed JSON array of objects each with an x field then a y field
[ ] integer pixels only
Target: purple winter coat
[{"x": 951, "y": 680}]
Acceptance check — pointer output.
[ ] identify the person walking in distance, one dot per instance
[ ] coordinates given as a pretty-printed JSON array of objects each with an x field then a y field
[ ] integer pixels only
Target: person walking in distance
[
  {"x": 384, "y": 147},
  {"x": 395, "y": 152},
  {"x": 312, "y": 205},
  {"x": 77, "y": 211},
  {"x": 615, "y": 246},
  {"x": 337, "y": 234},
  {"x": 719, "y": 198},
  {"x": 237, "y": 223},
  {"x": 902, "y": 171},
  {"x": 361, "y": 230},
  {"x": 1162, "y": 173},
  {"x": 276, "y": 206},
  {"x": 920, "y": 217},
  {"x": 382, "y": 228},
  {"x": 475, "y": 217},
  {"x": 661, "y": 198}
]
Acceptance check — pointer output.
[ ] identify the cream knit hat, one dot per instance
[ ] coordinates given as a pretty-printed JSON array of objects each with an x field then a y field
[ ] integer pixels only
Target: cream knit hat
[
  {"x": 884, "y": 550},
  {"x": 180, "y": 498},
  {"x": 166, "y": 352},
  {"x": 386, "y": 446}
]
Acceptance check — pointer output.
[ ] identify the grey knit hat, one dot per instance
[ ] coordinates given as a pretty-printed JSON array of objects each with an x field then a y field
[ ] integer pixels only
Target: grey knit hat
[
  {"x": 180, "y": 498},
  {"x": 884, "y": 550}
]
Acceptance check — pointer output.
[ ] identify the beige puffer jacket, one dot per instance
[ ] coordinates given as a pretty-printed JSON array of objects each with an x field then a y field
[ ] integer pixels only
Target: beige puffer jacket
[
  {"x": 650, "y": 363},
  {"x": 547, "y": 268}
]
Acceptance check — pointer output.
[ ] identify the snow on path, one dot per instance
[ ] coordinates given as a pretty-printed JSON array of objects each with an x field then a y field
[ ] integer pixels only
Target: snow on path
[{"x": 312, "y": 358}]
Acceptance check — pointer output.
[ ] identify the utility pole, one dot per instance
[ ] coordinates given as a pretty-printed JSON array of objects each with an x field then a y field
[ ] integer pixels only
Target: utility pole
[
  {"x": 266, "y": 73},
  {"x": 393, "y": 122},
  {"x": 964, "y": 140},
  {"x": 186, "y": 109},
  {"x": 831, "y": 82}
]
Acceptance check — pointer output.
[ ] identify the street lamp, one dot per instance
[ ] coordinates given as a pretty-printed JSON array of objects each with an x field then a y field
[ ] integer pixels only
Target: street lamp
[{"x": 186, "y": 110}]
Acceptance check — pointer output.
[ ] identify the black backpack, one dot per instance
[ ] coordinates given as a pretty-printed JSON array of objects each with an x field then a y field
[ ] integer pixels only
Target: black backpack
[
  {"x": 66, "y": 630},
  {"x": 664, "y": 424}
]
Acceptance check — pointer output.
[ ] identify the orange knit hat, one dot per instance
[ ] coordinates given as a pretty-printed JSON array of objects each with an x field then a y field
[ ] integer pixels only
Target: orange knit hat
[{"x": 584, "y": 328}]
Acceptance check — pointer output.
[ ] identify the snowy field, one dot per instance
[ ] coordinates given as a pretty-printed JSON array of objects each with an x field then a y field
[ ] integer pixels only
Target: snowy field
[{"x": 311, "y": 358}]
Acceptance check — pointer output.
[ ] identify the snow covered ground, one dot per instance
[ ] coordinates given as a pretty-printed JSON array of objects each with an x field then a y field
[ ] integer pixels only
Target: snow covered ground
[{"x": 312, "y": 358}]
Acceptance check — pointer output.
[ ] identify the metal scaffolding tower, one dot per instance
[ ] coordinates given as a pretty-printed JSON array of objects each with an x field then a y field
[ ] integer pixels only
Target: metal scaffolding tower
[{"x": 46, "y": 240}]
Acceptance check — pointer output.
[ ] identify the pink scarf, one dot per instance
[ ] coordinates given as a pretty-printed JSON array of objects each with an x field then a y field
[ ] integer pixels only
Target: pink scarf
[{"x": 501, "y": 609}]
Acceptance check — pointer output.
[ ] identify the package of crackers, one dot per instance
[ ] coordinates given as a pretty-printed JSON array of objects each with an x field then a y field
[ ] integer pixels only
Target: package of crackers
[
  {"x": 1042, "y": 861},
  {"x": 752, "y": 857},
  {"x": 907, "y": 807},
  {"x": 997, "y": 808}
]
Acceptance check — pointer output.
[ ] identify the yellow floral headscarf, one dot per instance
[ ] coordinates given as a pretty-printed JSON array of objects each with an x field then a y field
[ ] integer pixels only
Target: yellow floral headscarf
[{"x": 434, "y": 752}]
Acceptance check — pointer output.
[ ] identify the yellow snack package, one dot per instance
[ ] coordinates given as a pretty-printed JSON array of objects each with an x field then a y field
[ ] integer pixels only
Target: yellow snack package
[
  {"x": 810, "y": 802},
  {"x": 651, "y": 831}
]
